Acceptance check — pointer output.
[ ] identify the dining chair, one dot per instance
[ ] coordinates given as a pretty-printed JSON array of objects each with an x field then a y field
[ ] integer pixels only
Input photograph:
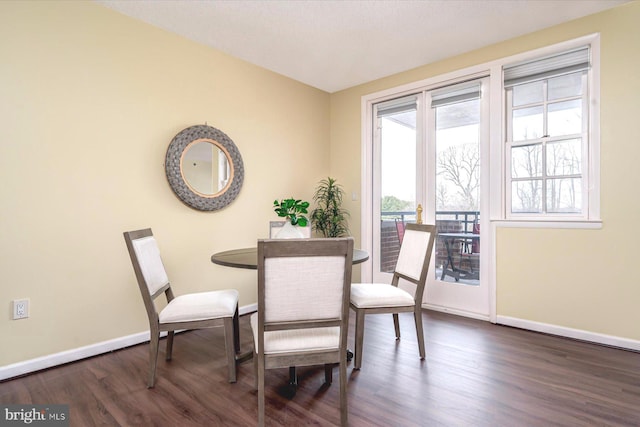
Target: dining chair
[
  {"x": 375, "y": 298},
  {"x": 303, "y": 309},
  {"x": 188, "y": 311}
]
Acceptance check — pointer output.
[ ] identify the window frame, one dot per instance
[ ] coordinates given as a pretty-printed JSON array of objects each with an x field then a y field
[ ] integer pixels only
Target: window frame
[
  {"x": 544, "y": 141},
  {"x": 590, "y": 135}
]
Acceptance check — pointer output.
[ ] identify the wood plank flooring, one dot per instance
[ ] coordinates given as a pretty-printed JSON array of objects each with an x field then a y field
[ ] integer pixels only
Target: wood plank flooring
[{"x": 475, "y": 374}]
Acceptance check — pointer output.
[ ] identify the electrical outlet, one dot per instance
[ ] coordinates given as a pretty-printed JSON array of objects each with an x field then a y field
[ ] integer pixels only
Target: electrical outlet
[{"x": 20, "y": 308}]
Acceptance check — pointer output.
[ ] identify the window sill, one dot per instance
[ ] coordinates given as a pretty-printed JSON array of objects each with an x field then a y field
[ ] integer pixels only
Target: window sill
[{"x": 568, "y": 224}]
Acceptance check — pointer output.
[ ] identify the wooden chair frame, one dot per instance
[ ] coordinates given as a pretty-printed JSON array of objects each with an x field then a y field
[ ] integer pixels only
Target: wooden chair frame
[{"x": 230, "y": 324}]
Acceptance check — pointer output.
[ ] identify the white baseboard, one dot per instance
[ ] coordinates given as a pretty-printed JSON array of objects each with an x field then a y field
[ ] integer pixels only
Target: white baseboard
[
  {"x": 456, "y": 312},
  {"x": 579, "y": 334},
  {"x": 44, "y": 362}
]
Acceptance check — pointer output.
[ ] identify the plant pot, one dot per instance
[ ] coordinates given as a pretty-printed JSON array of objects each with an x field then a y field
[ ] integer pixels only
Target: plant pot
[{"x": 289, "y": 232}]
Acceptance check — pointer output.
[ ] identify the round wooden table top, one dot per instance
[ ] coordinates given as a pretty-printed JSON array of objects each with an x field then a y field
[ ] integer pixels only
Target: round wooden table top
[{"x": 248, "y": 258}]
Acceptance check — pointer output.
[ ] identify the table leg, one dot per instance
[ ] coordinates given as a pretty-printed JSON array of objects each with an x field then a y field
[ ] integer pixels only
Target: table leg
[
  {"x": 292, "y": 387},
  {"x": 448, "y": 263},
  {"x": 293, "y": 378}
]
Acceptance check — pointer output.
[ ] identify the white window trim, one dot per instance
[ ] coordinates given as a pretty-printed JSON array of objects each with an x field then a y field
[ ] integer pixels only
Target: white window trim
[
  {"x": 591, "y": 217},
  {"x": 584, "y": 175}
]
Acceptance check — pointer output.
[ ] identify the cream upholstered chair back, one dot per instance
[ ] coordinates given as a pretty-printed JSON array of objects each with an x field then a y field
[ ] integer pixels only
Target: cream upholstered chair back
[
  {"x": 415, "y": 256},
  {"x": 413, "y": 252},
  {"x": 304, "y": 280},
  {"x": 303, "y": 288},
  {"x": 153, "y": 280},
  {"x": 151, "y": 266}
]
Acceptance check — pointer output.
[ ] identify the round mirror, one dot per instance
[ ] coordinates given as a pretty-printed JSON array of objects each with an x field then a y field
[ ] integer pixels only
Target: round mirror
[{"x": 204, "y": 168}]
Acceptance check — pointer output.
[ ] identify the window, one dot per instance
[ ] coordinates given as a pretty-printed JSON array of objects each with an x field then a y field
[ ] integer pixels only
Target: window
[
  {"x": 547, "y": 136},
  {"x": 541, "y": 162}
]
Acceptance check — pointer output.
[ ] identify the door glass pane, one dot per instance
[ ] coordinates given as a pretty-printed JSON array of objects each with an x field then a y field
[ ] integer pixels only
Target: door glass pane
[
  {"x": 527, "y": 123},
  {"x": 397, "y": 182},
  {"x": 565, "y": 118},
  {"x": 564, "y": 195},
  {"x": 526, "y": 196},
  {"x": 530, "y": 93},
  {"x": 458, "y": 192},
  {"x": 526, "y": 161},
  {"x": 564, "y": 157}
]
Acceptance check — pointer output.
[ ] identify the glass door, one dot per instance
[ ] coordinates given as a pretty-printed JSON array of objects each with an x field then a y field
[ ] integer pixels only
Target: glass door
[
  {"x": 396, "y": 181},
  {"x": 427, "y": 152},
  {"x": 457, "y": 132}
]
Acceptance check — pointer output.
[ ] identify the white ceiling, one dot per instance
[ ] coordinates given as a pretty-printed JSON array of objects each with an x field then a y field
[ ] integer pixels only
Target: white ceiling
[{"x": 333, "y": 44}]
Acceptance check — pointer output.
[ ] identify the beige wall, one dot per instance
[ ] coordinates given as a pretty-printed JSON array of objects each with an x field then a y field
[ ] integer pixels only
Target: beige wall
[
  {"x": 581, "y": 279},
  {"x": 89, "y": 101}
]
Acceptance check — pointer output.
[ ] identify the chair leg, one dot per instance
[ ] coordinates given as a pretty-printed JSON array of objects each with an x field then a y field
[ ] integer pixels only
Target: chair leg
[
  {"x": 396, "y": 325},
  {"x": 255, "y": 369},
  {"x": 169, "y": 351},
  {"x": 260, "y": 375},
  {"x": 328, "y": 373},
  {"x": 154, "y": 342},
  {"x": 229, "y": 337},
  {"x": 343, "y": 394},
  {"x": 417, "y": 315},
  {"x": 236, "y": 331},
  {"x": 359, "y": 338}
]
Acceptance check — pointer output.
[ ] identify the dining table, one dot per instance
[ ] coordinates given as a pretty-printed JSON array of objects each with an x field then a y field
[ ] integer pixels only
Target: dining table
[{"x": 247, "y": 258}]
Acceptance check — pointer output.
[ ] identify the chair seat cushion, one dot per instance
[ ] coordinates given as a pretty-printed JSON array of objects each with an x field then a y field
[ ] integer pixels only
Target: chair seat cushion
[
  {"x": 367, "y": 295},
  {"x": 299, "y": 340},
  {"x": 200, "y": 306}
]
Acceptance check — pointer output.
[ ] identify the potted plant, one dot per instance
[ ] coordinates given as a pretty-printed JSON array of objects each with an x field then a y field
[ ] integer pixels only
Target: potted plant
[
  {"x": 329, "y": 218},
  {"x": 293, "y": 210}
]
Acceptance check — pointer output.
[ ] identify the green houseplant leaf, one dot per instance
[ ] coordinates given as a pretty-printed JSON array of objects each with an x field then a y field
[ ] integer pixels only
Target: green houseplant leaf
[
  {"x": 329, "y": 218},
  {"x": 293, "y": 210}
]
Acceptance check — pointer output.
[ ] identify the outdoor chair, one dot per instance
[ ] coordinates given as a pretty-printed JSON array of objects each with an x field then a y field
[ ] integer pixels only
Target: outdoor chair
[{"x": 471, "y": 250}]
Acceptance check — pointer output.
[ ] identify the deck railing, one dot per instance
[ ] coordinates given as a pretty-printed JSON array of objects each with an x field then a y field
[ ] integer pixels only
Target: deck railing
[
  {"x": 446, "y": 222},
  {"x": 466, "y": 218}
]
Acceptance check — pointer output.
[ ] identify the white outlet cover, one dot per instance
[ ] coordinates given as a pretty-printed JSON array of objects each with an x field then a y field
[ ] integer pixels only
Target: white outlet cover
[{"x": 20, "y": 308}]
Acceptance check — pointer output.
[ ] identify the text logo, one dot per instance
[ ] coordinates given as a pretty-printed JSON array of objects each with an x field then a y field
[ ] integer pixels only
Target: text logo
[{"x": 34, "y": 415}]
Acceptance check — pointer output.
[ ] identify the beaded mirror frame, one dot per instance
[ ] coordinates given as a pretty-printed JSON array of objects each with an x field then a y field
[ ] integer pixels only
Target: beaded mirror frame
[{"x": 175, "y": 175}]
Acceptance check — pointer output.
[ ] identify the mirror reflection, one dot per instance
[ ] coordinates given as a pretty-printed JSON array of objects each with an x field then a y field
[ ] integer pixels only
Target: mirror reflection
[{"x": 206, "y": 167}]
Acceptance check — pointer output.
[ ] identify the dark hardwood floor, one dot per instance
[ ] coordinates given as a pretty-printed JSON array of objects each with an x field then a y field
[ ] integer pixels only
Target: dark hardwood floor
[{"x": 475, "y": 374}]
